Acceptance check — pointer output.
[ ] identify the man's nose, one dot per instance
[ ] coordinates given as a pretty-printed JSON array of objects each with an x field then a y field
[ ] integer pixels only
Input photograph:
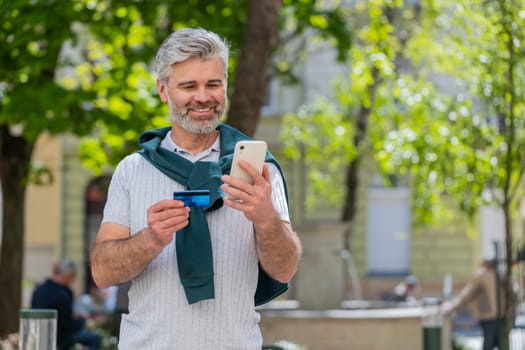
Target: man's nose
[{"x": 202, "y": 95}]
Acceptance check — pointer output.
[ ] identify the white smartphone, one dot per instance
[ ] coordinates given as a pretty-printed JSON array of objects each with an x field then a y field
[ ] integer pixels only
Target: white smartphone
[{"x": 251, "y": 151}]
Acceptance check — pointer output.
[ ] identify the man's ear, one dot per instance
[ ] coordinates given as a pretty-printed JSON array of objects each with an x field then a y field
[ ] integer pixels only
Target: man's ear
[{"x": 163, "y": 91}]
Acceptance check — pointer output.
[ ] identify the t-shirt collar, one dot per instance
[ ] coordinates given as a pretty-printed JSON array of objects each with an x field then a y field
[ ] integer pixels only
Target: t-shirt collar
[{"x": 169, "y": 144}]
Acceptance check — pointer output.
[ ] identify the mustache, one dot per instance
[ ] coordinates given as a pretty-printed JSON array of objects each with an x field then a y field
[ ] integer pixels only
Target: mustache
[{"x": 211, "y": 105}]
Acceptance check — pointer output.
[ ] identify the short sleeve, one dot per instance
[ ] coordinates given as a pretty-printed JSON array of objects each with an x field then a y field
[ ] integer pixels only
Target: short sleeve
[
  {"x": 279, "y": 199},
  {"x": 117, "y": 208}
]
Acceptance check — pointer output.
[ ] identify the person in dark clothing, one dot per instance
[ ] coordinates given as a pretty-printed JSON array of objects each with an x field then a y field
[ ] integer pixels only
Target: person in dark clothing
[{"x": 55, "y": 293}]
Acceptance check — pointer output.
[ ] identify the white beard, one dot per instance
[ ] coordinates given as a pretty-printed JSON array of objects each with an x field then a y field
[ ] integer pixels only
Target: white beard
[{"x": 181, "y": 117}]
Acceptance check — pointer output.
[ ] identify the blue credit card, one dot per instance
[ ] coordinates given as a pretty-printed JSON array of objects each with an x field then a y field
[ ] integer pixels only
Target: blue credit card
[{"x": 193, "y": 198}]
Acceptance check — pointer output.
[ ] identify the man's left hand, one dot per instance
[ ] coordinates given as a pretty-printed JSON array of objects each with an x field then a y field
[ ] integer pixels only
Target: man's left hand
[
  {"x": 254, "y": 200},
  {"x": 278, "y": 246}
]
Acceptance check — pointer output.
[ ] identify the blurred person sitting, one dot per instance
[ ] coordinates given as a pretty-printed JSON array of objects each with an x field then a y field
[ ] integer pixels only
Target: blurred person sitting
[
  {"x": 480, "y": 294},
  {"x": 405, "y": 291},
  {"x": 56, "y": 293}
]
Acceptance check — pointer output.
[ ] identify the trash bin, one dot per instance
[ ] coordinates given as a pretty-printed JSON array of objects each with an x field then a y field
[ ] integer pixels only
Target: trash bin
[
  {"x": 38, "y": 329},
  {"x": 432, "y": 320}
]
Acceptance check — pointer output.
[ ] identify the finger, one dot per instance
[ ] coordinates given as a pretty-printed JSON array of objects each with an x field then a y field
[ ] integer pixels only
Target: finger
[
  {"x": 170, "y": 213},
  {"x": 231, "y": 183},
  {"x": 175, "y": 217},
  {"x": 244, "y": 193},
  {"x": 235, "y": 204},
  {"x": 166, "y": 219},
  {"x": 250, "y": 169},
  {"x": 266, "y": 172},
  {"x": 166, "y": 204},
  {"x": 176, "y": 224},
  {"x": 165, "y": 230}
]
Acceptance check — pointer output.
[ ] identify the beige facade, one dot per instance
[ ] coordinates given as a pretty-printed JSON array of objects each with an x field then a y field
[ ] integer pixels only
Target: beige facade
[
  {"x": 42, "y": 216},
  {"x": 54, "y": 212}
]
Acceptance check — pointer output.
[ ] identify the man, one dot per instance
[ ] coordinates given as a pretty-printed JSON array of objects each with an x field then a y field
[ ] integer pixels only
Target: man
[
  {"x": 480, "y": 293},
  {"x": 197, "y": 273},
  {"x": 55, "y": 293}
]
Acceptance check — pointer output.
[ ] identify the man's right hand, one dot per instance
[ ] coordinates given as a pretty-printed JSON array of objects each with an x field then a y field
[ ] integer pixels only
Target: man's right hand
[
  {"x": 164, "y": 218},
  {"x": 118, "y": 256}
]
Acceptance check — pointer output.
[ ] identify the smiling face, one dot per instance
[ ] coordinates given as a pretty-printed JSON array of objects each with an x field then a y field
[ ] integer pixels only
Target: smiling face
[{"x": 196, "y": 94}]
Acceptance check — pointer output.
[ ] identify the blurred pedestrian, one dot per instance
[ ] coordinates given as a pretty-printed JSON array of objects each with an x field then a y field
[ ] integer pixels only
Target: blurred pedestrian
[
  {"x": 480, "y": 294},
  {"x": 405, "y": 291},
  {"x": 55, "y": 293}
]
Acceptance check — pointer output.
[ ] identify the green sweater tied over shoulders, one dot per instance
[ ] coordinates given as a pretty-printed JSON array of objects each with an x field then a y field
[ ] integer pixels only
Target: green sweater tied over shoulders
[{"x": 193, "y": 243}]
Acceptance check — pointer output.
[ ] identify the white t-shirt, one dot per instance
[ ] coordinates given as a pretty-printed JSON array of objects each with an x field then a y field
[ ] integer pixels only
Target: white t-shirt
[{"x": 159, "y": 314}]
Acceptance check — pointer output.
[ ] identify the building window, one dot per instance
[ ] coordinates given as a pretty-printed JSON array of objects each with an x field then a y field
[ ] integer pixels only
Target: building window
[{"x": 388, "y": 232}]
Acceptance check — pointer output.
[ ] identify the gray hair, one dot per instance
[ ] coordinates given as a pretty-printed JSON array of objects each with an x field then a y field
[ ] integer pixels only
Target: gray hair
[
  {"x": 65, "y": 267},
  {"x": 189, "y": 43}
]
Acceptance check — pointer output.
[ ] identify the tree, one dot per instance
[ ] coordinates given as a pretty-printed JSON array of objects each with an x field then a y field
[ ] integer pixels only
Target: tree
[
  {"x": 376, "y": 63},
  {"x": 480, "y": 44},
  {"x": 468, "y": 146},
  {"x": 260, "y": 38},
  {"x": 29, "y": 66}
]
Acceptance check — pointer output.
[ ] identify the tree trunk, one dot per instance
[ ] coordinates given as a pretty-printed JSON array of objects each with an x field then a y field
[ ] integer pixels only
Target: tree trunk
[
  {"x": 352, "y": 173},
  {"x": 508, "y": 312},
  {"x": 14, "y": 159},
  {"x": 251, "y": 75}
]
